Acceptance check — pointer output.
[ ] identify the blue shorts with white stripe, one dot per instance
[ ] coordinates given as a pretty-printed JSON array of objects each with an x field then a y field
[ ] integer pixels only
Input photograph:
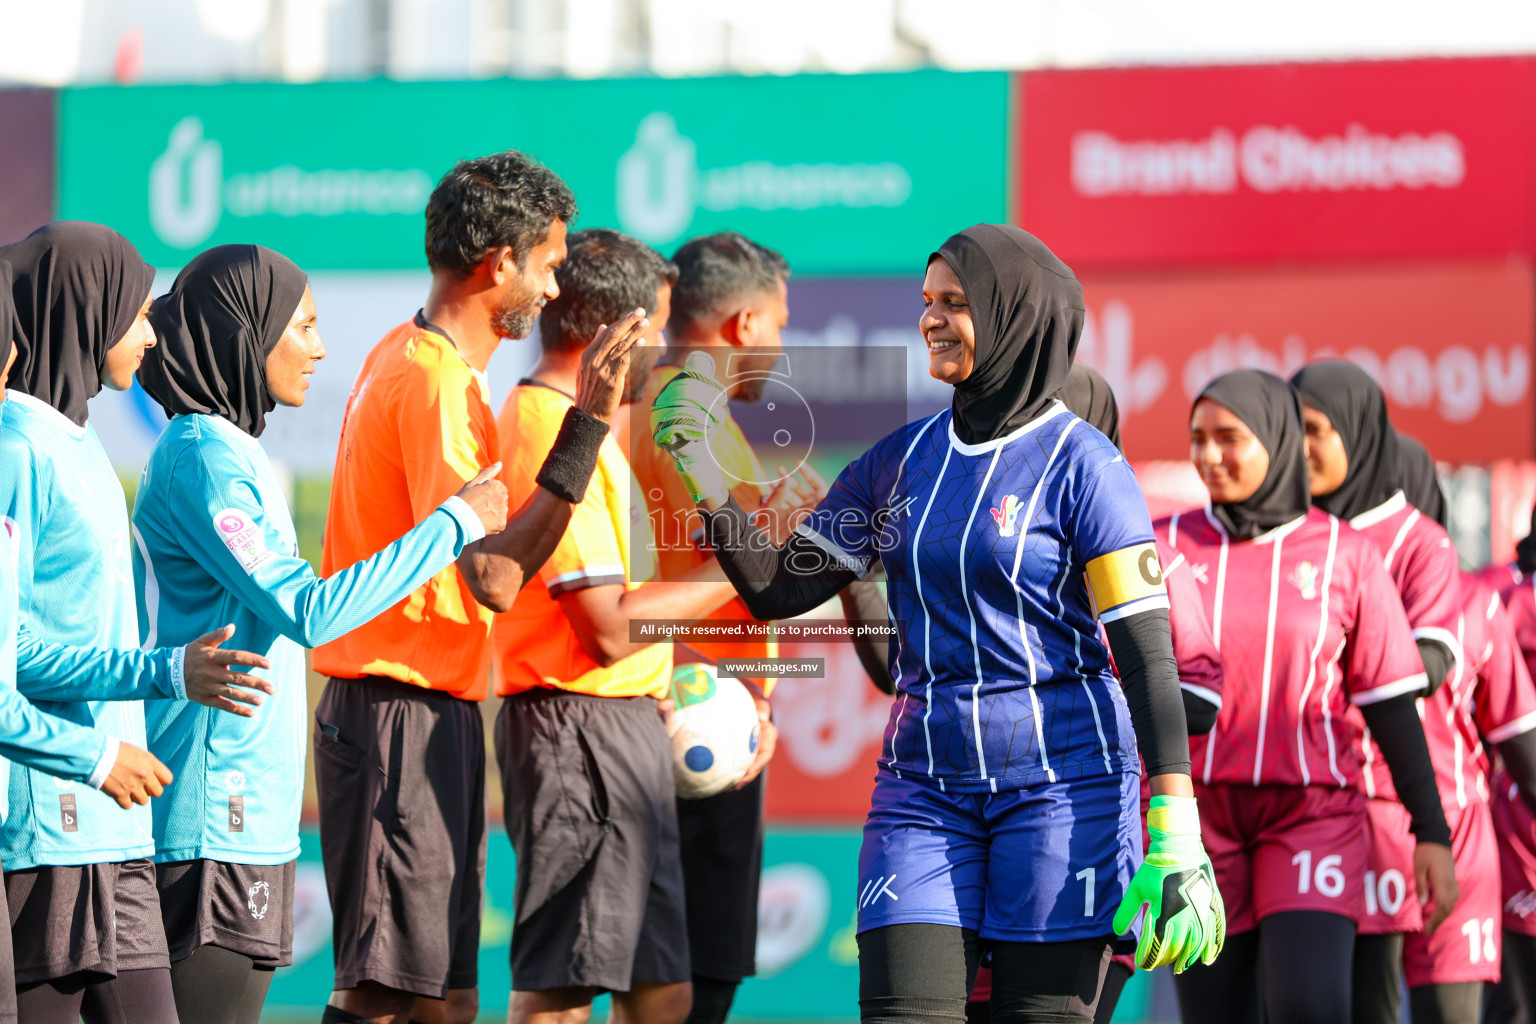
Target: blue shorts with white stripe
[{"x": 1046, "y": 863}]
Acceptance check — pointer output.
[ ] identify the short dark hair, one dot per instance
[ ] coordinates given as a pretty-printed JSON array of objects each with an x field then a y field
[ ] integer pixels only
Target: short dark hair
[
  {"x": 605, "y": 275},
  {"x": 482, "y": 204},
  {"x": 719, "y": 270}
]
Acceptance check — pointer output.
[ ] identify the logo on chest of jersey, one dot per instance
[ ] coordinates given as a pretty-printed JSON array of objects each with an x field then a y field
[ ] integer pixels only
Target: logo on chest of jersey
[
  {"x": 1007, "y": 517},
  {"x": 1304, "y": 578},
  {"x": 1201, "y": 572}
]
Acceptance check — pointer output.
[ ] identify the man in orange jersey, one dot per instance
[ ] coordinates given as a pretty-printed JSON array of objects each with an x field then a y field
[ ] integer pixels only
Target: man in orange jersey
[
  {"x": 399, "y": 744},
  {"x": 585, "y": 761},
  {"x": 731, "y": 297}
]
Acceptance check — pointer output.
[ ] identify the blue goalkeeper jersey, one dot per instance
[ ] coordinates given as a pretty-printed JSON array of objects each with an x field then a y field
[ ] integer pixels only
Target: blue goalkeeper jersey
[
  {"x": 1000, "y": 558},
  {"x": 215, "y": 544},
  {"x": 68, "y": 517}
]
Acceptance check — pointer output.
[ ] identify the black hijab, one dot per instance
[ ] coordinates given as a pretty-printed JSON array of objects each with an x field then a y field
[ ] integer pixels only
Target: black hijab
[
  {"x": 217, "y": 325},
  {"x": 1525, "y": 549},
  {"x": 77, "y": 287},
  {"x": 1028, "y": 311},
  {"x": 1353, "y": 402},
  {"x": 7, "y": 314},
  {"x": 1272, "y": 411},
  {"x": 1088, "y": 396},
  {"x": 1421, "y": 484}
]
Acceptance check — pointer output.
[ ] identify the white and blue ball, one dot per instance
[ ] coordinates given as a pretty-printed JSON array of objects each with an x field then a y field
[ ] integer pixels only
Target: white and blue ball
[{"x": 714, "y": 731}]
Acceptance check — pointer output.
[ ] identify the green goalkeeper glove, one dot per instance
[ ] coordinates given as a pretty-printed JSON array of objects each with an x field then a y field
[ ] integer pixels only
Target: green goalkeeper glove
[
  {"x": 1186, "y": 920},
  {"x": 684, "y": 419}
]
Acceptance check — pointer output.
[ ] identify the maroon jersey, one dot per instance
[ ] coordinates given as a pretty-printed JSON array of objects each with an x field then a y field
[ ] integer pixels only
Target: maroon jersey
[
  {"x": 1417, "y": 553},
  {"x": 1520, "y": 605},
  {"x": 1502, "y": 578},
  {"x": 1494, "y": 699},
  {"x": 1306, "y": 621},
  {"x": 1193, "y": 647}
]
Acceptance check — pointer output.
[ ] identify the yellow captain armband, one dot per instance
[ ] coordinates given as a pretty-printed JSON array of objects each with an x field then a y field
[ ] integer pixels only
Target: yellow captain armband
[{"x": 1126, "y": 582}]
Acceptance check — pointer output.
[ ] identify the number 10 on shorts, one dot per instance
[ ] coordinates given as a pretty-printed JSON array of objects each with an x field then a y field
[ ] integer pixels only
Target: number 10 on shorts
[{"x": 1329, "y": 876}]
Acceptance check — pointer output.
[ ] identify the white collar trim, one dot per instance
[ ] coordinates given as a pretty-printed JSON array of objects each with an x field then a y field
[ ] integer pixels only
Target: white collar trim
[
  {"x": 987, "y": 447},
  {"x": 46, "y": 411},
  {"x": 1386, "y": 510},
  {"x": 1268, "y": 536}
]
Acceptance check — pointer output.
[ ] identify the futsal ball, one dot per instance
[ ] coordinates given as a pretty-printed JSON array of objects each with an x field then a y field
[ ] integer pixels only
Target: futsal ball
[{"x": 714, "y": 731}]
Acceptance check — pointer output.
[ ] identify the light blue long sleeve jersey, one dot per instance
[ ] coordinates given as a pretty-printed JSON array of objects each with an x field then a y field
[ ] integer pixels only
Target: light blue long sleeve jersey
[
  {"x": 216, "y": 544},
  {"x": 68, "y": 519}
]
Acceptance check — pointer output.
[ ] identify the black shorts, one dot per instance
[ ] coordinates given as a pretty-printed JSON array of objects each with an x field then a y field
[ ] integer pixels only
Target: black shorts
[
  {"x": 7, "y": 970},
  {"x": 246, "y": 908},
  {"x": 592, "y": 814},
  {"x": 96, "y": 918},
  {"x": 722, "y": 850},
  {"x": 400, "y": 772}
]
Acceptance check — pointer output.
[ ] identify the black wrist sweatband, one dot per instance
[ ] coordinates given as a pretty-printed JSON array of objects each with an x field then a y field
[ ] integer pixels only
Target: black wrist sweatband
[{"x": 568, "y": 467}]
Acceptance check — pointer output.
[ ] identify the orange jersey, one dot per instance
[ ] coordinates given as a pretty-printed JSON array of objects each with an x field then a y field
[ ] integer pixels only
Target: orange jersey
[
  {"x": 418, "y": 427},
  {"x": 676, "y": 524},
  {"x": 536, "y": 644}
]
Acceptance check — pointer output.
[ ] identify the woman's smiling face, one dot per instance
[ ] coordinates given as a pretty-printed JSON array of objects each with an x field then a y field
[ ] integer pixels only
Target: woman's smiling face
[{"x": 946, "y": 324}]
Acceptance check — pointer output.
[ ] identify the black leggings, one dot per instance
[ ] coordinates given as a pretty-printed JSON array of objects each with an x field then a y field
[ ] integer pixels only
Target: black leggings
[
  {"x": 130, "y": 998},
  {"x": 712, "y": 1000},
  {"x": 923, "y": 973},
  {"x": 1451, "y": 1003},
  {"x": 1513, "y": 999},
  {"x": 219, "y": 986},
  {"x": 1114, "y": 984},
  {"x": 1377, "y": 994},
  {"x": 1303, "y": 957}
]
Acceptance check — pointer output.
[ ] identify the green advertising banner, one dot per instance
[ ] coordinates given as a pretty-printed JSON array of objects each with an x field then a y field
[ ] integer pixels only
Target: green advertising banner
[{"x": 858, "y": 174}]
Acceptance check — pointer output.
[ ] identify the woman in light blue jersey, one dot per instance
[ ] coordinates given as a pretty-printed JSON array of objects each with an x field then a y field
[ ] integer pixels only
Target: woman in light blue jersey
[
  {"x": 216, "y": 543},
  {"x": 1005, "y": 809},
  {"x": 84, "y": 910}
]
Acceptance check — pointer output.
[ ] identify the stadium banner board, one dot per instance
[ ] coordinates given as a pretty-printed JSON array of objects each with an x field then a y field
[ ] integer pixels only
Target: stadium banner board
[
  {"x": 807, "y": 953},
  {"x": 825, "y": 168},
  {"x": 1338, "y": 160},
  {"x": 26, "y": 170},
  {"x": 1450, "y": 343}
]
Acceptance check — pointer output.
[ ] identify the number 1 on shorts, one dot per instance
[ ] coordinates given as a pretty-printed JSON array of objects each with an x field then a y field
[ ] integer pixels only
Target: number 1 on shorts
[{"x": 1086, "y": 876}]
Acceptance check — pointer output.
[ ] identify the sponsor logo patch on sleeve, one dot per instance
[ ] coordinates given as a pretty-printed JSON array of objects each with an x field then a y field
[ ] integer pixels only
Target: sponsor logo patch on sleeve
[{"x": 243, "y": 538}]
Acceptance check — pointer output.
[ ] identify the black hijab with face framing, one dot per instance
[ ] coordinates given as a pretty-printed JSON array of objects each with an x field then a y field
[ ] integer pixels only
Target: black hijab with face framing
[
  {"x": 1354, "y": 404},
  {"x": 1088, "y": 396},
  {"x": 77, "y": 289},
  {"x": 1270, "y": 408},
  {"x": 1421, "y": 484},
  {"x": 1028, "y": 312},
  {"x": 217, "y": 325}
]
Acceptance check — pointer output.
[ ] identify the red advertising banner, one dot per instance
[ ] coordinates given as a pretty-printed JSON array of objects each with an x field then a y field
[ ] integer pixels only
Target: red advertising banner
[
  {"x": 829, "y": 737},
  {"x": 1449, "y": 343},
  {"x": 1163, "y": 166}
]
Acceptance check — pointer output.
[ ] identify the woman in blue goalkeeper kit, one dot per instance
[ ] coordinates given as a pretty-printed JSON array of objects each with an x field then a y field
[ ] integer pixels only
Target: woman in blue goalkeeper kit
[
  {"x": 1005, "y": 809},
  {"x": 216, "y": 543}
]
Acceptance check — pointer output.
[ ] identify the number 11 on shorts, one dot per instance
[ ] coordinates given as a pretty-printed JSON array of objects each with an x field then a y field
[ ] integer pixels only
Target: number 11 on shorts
[{"x": 1329, "y": 876}]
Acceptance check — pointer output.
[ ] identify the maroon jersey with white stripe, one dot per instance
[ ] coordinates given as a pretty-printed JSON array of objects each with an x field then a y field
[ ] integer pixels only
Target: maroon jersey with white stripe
[
  {"x": 1519, "y": 594},
  {"x": 1493, "y": 697},
  {"x": 1193, "y": 647},
  {"x": 1306, "y": 621},
  {"x": 1419, "y": 556},
  {"x": 1502, "y": 578}
]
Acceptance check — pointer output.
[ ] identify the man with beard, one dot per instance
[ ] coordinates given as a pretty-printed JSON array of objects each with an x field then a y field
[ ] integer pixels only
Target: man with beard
[
  {"x": 399, "y": 744},
  {"x": 586, "y": 765}
]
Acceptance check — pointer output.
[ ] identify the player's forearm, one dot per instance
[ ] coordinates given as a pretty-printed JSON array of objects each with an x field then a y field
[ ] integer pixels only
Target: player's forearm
[
  {"x": 1143, "y": 648},
  {"x": 863, "y": 602},
  {"x": 57, "y": 672},
  {"x": 1519, "y": 754},
  {"x": 1438, "y": 662},
  {"x": 496, "y": 568},
  {"x": 31, "y": 737},
  {"x": 606, "y": 636},
  {"x": 1399, "y": 732},
  {"x": 774, "y": 582}
]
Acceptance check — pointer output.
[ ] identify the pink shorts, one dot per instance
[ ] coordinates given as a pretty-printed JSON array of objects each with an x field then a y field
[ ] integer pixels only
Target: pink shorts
[
  {"x": 1280, "y": 848},
  {"x": 1515, "y": 829},
  {"x": 1391, "y": 898},
  {"x": 1468, "y": 944}
]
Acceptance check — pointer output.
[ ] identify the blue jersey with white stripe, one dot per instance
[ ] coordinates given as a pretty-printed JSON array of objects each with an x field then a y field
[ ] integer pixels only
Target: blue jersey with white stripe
[
  {"x": 215, "y": 544},
  {"x": 1003, "y": 680},
  {"x": 74, "y": 583}
]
